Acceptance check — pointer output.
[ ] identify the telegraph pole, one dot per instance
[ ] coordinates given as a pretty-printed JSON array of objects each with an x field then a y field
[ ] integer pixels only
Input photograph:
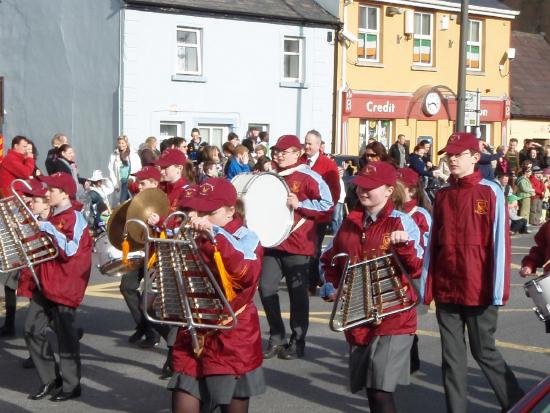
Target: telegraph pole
[{"x": 461, "y": 93}]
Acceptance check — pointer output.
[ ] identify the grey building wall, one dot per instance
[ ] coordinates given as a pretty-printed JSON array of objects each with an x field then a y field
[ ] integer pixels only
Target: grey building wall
[{"x": 60, "y": 63}]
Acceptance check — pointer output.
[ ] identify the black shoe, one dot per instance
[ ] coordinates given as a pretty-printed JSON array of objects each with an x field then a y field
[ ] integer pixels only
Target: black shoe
[
  {"x": 79, "y": 333},
  {"x": 294, "y": 350},
  {"x": 273, "y": 350},
  {"x": 7, "y": 331},
  {"x": 63, "y": 396},
  {"x": 47, "y": 389},
  {"x": 28, "y": 363},
  {"x": 166, "y": 372},
  {"x": 149, "y": 342},
  {"x": 134, "y": 338}
]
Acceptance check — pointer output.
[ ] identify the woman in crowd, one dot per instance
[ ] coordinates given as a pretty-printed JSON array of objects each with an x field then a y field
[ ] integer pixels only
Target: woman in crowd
[
  {"x": 374, "y": 152},
  {"x": 524, "y": 190},
  {"x": 123, "y": 162},
  {"x": 65, "y": 162},
  {"x": 149, "y": 152}
]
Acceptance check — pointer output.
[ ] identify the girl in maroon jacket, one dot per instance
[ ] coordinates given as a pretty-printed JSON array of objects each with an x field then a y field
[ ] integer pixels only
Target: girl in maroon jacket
[
  {"x": 379, "y": 353},
  {"x": 228, "y": 370}
]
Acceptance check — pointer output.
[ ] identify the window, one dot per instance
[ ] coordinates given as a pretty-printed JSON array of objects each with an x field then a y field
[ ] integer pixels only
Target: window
[
  {"x": 189, "y": 46},
  {"x": 262, "y": 127},
  {"x": 423, "y": 42},
  {"x": 214, "y": 134},
  {"x": 293, "y": 59},
  {"x": 368, "y": 43},
  {"x": 378, "y": 129},
  {"x": 170, "y": 129},
  {"x": 473, "y": 47}
]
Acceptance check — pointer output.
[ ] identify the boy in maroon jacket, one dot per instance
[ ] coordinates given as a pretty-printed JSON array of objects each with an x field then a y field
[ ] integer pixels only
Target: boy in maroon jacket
[
  {"x": 63, "y": 282},
  {"x": 467, "y": 273}
]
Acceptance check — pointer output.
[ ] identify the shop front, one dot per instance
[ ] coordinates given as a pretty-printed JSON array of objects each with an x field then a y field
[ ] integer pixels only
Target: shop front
[{"x": 429, "y": 113}]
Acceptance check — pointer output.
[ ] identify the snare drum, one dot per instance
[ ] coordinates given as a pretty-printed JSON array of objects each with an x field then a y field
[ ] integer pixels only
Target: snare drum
[
  {"x": 539, "y": 291},
  {"x": 109, "y": 259},
  {"x": 267, "y": 214}
]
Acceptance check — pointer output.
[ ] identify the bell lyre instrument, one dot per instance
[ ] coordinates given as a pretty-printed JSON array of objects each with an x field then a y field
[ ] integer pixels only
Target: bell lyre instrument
[
  {"x": 22, "y": 244},
  {"x": 187, "y": 293},
  {"x": 370, "y": 291}
]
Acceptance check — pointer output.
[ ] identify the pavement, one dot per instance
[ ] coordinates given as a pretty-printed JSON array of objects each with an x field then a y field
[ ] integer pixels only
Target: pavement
[{"x": 119, "y": 377}]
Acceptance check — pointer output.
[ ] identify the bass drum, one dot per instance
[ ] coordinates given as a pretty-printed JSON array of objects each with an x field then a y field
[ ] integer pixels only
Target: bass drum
[
  {"x": 539, "y": 291},
  {"x": 264, "y": 196},
  {"x": 109, "y": 259}
]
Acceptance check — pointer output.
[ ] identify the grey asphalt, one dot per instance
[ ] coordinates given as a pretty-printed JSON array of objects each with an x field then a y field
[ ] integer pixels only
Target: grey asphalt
[{"x": 118, "y": 377}]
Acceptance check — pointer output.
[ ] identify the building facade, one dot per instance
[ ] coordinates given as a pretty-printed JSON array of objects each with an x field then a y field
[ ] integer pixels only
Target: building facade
[
  {"x": 221, "y": 69},
  {"x": 398, "y": 71}
]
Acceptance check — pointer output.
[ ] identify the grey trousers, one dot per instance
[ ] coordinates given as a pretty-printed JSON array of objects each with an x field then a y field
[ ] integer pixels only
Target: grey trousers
[
  {"x": 41, "y": 314},
  {"x": 481, "y": 323},
  {"x": 295, "y": 269}
]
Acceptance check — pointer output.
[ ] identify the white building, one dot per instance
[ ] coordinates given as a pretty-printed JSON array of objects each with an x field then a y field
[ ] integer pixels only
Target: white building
[{"x": 223, "y": 67}]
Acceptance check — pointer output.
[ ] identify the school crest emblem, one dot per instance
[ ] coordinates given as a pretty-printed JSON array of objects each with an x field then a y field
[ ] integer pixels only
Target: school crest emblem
[
  {"x": 481, "y": 207},
  {"x": 295, "y": 187},
  {"x": 385, "y": 242}
]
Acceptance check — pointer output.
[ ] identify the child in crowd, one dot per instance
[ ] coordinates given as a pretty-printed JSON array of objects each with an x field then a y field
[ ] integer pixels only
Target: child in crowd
[
  {"x": 98, "y": 197},
  {"x": 517, "y": 223},
  {"x": 239, "y": 163}
]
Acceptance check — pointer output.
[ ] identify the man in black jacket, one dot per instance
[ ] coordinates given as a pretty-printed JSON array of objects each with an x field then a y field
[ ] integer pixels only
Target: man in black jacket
[{"x": 399, "y": 152}]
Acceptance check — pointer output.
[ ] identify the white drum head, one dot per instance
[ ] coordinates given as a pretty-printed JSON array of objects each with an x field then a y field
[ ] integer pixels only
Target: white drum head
[{"x": 264, "y": 196}]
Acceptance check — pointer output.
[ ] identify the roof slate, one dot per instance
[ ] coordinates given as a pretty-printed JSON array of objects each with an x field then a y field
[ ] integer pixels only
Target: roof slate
[
  {"x": 493, "y": 4},
  {"x": 303, "y": 11},
  {"x": 530, "y": 76}
]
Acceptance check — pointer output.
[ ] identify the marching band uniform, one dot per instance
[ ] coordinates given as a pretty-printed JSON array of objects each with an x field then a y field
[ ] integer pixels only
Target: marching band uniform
[
  {"x": 229, "y": 365},
  {"x": 467, "y": 273},
  {"x": 63, "y": 282},
  {"x": 379, "y": 353},
  {"x": 291, "y": 259}
]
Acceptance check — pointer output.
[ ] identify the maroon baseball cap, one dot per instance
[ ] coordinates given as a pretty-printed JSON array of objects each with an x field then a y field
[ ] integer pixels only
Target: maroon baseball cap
[
  {"x": 189, "y": 192},
  {"x": 213, "y": 194},
  {"x": 148, "y": 172},
  {"x": 61, "y": 180},
  {"x": 376, "y": 174},
  {"x": 459, "y": 142},
  {"x": 287, "y": 141},
  {"x": 36, "y": 188},
  {"x": 171, "y": 157},
  {"x": 407, "y": 176}
]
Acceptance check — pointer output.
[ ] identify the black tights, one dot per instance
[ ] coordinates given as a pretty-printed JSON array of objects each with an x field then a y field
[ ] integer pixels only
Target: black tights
[
  {"x": 381, "y": 401},
  {"x": 183, "y": 402},
  {"x": 11, "y": 302}
]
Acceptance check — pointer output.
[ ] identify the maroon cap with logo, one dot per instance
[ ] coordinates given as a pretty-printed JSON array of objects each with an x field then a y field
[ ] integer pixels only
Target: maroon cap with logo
[
  {"x": 376, "y": 174},
  {"x": 213, "y": 194},
  {"x": 459, "y": 142},
  {"x": 171, "y": 157},
  {"x": 61, "y": 180},
  {"x": 148, "y": 172},
  {"x": 36, "y": 188},
  {"x": 189, "y": 192},
  {"x": 407, "y": 176},
  {"x": 287, "y": 141}
]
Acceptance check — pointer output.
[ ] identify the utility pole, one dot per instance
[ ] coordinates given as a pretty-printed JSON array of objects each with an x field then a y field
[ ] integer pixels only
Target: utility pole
[{"x": 461, "y": 93}]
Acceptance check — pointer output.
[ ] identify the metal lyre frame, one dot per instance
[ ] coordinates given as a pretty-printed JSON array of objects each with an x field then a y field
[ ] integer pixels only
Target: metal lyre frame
[
  {"x": 175, "y": 243},
  {"x": 18, "y": 235},
  {"x": 369, "y": 306}
]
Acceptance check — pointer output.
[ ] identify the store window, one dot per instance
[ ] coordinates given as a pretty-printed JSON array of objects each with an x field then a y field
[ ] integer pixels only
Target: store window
[
  {"x": 378, "y": 129},
  {"x": 189, "y": 46},
  {"x": 368, "y": 43},
  {"x": 293, "y": 59},
  {"x": 423, "y": 39},
  {"x": 171, "y": 129},
  {"x": 214, "y": 134},
  {"x": 473, "y": 59},
  {"x": 482, "y": 131},
  {"x": 262, "y": 127}
]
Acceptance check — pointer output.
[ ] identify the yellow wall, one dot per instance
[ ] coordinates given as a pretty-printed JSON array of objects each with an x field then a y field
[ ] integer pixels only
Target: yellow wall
[
  {"x": 529, "y": 129},
  {"x": 396, "y": 56}
]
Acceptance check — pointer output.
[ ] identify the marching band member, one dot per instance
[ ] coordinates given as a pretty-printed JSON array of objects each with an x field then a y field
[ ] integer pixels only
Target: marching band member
[
  {"x": 416, "y": 205},
  {"x": 379, "y": 353},
  {"x": 148, "y": 177},
  {"x": 227, "y": 371},
  {"x": 63, "y": 282},
  {"x": 467, "y": 273},
  {"x": 311, "y": 199}
]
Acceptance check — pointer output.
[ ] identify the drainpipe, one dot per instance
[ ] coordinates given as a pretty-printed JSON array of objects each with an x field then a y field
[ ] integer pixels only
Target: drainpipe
[{"x": 339, "y": 139}]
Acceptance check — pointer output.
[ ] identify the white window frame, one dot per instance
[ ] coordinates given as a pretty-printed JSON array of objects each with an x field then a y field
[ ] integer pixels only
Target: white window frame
[
  {"x": 301, "y": 48},
  {"x": 225, "y": 131},
  {"x": 365, "y": 31},
  {"x": 471, "y": 43},
  {"x": 179, "y": 128},
  {"x": 421, "y": 37},
  {"x": 198, "y": 46}
]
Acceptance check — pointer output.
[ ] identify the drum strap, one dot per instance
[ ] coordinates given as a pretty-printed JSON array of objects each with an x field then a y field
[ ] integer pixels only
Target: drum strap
[{"x": 298, "y": 225}]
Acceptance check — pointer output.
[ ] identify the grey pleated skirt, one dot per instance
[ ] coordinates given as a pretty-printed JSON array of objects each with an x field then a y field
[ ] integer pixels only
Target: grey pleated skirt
[
  {"x": 382, "y": 364},
  {"x": 213, "y": 391}
]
